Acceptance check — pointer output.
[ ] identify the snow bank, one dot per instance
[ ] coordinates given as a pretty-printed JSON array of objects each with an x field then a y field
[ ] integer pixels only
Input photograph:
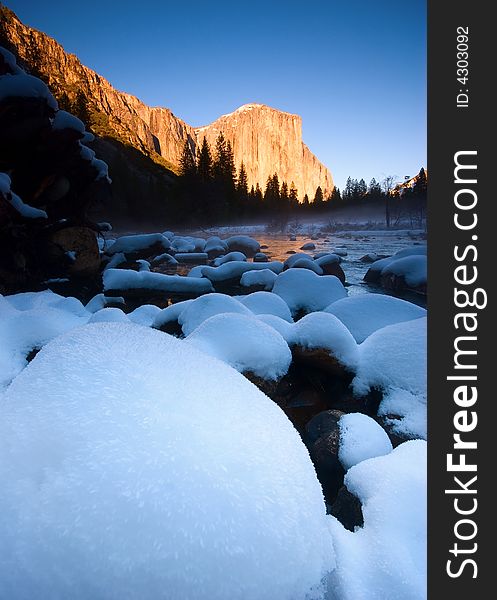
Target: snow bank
[
  {"x": 385, "y": 559},
  {"x": 303, "y": 290},
  {"x": 263, "y": 277},
  {"x": 135, "y": 243},
  {"x": 207, "y": 306},
  {"x": 322, "y": 330},
  {"x": 394, "y": 360},
  {"x": 134, "y": 466},
  {"x": 361, "y": 438},
  {"x": 366, "y": 313},
  {"x": 265, "y": 303},
  {"x": 126, "y": 279},
  {"x": 245, "y": 343}
]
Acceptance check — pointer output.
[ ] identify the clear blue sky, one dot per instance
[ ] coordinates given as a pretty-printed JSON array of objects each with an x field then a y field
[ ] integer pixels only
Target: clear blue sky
[{"x": 355, "y": 70}]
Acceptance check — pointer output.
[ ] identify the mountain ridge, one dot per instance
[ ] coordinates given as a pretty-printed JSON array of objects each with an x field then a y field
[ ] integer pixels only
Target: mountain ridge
[{"x": 266, "y": 139}]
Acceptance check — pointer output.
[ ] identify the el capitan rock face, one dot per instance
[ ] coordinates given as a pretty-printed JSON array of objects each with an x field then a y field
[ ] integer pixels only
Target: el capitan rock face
[{"x": 267, "y": 140}]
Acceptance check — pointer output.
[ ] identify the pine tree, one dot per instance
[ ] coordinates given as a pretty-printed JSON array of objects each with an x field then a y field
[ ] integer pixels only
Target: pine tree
[
  {"x": 284, "y": 193},
  {"x": 258, "y": 194},
  {"x": 305, "y": 202},
  {"x": 318, "y": 197},
  {"x": 242, "y": 183},
  {"x": 204, "y": 162},
  {"x": 293, "y": 195},
  {"x": 188, "y": 168},
  {"x": 80, "y": 108}
]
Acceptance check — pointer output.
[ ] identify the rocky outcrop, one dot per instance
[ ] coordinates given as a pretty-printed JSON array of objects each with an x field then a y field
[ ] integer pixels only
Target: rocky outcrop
[{"x": 269, "y": 141}]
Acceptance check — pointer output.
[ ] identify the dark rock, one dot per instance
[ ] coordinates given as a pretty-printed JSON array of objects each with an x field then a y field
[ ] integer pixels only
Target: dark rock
[
  {"x": 321, "y": 359},
  {"x": 397, "y": 283},
  {"x": 268, "y": 386},
  {"x": 324, "y": 455},
  {"x": 322, "y": 424},
  {"x": 347, "y": 509},
  {"x": 333, "y": 269},
  {"x": 76, "y": 249}
]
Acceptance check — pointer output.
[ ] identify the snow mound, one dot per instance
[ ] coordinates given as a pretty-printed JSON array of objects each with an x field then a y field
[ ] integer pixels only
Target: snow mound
[
  {"x": 230, "y": 257},
  {"x": 25, "y": 210},
  {"x": 243, "y": 243},
  {"x": 293, "y": 258},
  {"x": 394, "y": 360},
  {"x": 361, "y": 438},
  {"x": 265, "y": 303},
  {"x": 28, "y": 321},
  {"x": 109, "y": 315},
  {"x": 283, "y": 327},
  {"x": 135, "y": 243},
  {"x": 207, "y": 306},
  {"x": 135, "y": 466},
  {"x": 366, "y": 313},
  {"x": 263, "y": 277},
  {"x": 144, "y": 315},
  {"x": 307, "y": 263},
  {"x": 64, "y": 120},
  {"x": 235, "y": 269},
  {"x": 322, "y": 330},
  {"x": 245, "y": 343},
  {"x": 385, "y": 559},
  {"x": 303, "y": 290},
  {"x": 25, "y": 86},
  {"x": 412, "y": 268},
  {"x": 127, "y": 279}
]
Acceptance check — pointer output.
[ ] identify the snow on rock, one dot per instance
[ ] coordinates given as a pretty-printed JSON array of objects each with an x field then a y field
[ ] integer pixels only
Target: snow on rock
[
  {"x": 308, "y": 246},
  {"x": 28, "y": 321},
  {"x": 243, "y": 243},
  {"x": 25, "y": 86},
  {"x": 366, "y": 313},
  {"x": 261, "y": 257},
  {"x": 186, "y": 244},
  {"x": 170, "y": 314},
  {"x": 127, "y": 279},
  {"x": 324, "y": 331},
  {"x": 214, "y": 246},
  {"x": 25, "y": 210},
  {"x": 264, "y": 278},
  {"x": 109, "y": 439},
  {"x": 327, "y": 259},
  {"x": 191, "y": 257},
  {"x": 361, "y": 438},
  {"x": 230, "y": 257},
  {"x": 235, "y": 269},
  {"x": 135, "y": 243},
  {"x": 375, "y": 270},
  {"x": 265, "y": 303},
  {"x": 303, "y": 290},
  {"x": 165, "y": 258},
  {"x": 245, "y": 343},
  {"x": 307, "y": 263},
  {"x": 291, "y": 260},
  {"x": 394, "y": 359},
  {"x": 412, "y": 269},
  {"x": 169, "y": 234},
  {"x": 108, "y": 315},
  {"x": 100, "y": 301},
  {"x": 65, "y": 120},
  {"x": 206, "y": 306},
  {"x": 283, "y": 327},
  {"x": 10, "y": 60},
  {"x": 340, "y": 251},
  {"x": 386, "y": 558},
  {"x": 144, "y": 315}
]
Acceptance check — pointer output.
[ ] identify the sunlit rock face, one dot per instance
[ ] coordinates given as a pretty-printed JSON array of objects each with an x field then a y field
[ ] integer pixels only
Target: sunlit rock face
[{"x": 267, "y": 140}]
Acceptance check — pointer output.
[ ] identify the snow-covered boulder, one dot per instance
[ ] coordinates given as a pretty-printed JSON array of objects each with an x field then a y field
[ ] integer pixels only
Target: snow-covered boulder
[
  {"x": 199, "y": 258},
  {"x": 261, "y": 257},
  {"x": 361, "y": 438},
  {"x": 294, "y": 257},
  {"x": 366, "y": 313},
  {"x": 330, "y": 265},
  {"x": 305, "y": 291},
  {"x": 232, "y": 271},
  {"x": 144, "y": 315},
  {"x": 137, "y": 246},
  {"x": 125, "y": 280},
  {"x": 261, "y": 280},
  {"x": 109, "y": 315},
  {"x": 167, "y": 319},
  {"x": 386, "y": 558},
  {"x": 307, "y": 263},
  {"x": 243, "y": 243},
  {"x": 374, "y": 272},
  {"x": 229, "y": 257},
  {"x": 265, "y": 303},
  {"x": 245, "y": 343},
  {"x": 323, "y": 340},
  {"x": 201, "y": 309},
  {"x": 409, "y": 272},
  {"x": 214, "y": 246},
  {"x": 135, "y": 466},
  {"x": 393, "y": 359},
  {"x": 308, "y": 246}
]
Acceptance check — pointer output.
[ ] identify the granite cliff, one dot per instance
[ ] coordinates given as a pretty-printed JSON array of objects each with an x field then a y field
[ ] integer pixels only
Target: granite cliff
[{"x": 267, "y": 140}]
